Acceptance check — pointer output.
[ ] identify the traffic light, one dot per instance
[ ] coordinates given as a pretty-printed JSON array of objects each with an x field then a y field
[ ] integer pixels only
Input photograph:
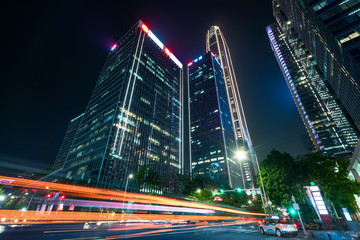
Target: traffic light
[
  {"x": 312, "y": 183},
  {"x": 238, "y": 189},
  {"x": 292, "y": 211},
  {"x": 221, "y": 190}
]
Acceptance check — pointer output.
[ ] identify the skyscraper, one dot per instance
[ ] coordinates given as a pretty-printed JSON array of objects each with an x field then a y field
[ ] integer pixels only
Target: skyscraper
[
  {"x": 215, "y": 42},
  {"x": 134, "y": 116},
  {"x": 213, "y": 138},
  {"x": 68, "y": 139},
  {"x": 318, "y": 73}
]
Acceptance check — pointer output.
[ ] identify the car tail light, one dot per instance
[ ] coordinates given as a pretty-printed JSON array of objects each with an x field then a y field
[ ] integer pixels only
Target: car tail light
[
  {"x": 281, "y": 225},
  {"x": 259, "y": 222},
  {"x": 295, "y": 225}
]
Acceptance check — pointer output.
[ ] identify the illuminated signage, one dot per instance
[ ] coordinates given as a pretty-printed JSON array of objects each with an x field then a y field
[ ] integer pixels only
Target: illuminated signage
[
  {"x": 316, "y": 199},
  {"x": 161, "y": 45}
]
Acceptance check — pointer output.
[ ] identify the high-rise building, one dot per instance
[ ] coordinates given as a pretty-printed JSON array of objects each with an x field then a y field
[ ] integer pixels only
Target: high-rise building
[
  {"x": 134, "y": 116},
  {"x": 67, "y": 141},
  {"x": 328, "y": 32},
  {"x": 215, "y": 42},
  {"x": 311, "y": 70},
  {"x": 212, "y": 135}
]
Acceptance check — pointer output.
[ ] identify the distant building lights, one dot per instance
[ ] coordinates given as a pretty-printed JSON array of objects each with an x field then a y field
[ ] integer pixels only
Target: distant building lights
[
  {"x": 190, "y": 63},
  {"x": 145, "y": 28},
  {"x": 167, "y": 51},
  {"x": 113, "y": 47},
  {"x": 200, "y": 58},
  {"x": 195, "y": 60},
  {"x": 212, "y": 53}
]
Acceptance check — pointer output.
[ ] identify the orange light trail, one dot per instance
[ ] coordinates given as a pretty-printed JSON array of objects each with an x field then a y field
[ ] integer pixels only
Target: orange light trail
[
  {"x": 97, "y": 193},
  {"x": 29, "y": 217}
]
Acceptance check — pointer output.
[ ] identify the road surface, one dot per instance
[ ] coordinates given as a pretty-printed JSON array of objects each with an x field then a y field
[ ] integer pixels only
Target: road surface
[{"x": 211, "y": 231}]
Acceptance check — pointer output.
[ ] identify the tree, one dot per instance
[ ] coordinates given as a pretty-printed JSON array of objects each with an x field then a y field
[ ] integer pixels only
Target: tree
[
  {"x": 283, "y": 177},
  {"x": 200, "y": 182},
  {"x": 278, "y": 174},
  {"x": 331, "y": 174},
  {"x": 148, "y": 178}
]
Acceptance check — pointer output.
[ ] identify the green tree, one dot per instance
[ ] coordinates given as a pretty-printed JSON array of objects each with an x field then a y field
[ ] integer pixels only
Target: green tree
[
  {"x": 148, "y": 178},
  {"x": 331, "y": 175},
  {"x": 278, "y": 173},
  {"x": 200, "y": 182}
]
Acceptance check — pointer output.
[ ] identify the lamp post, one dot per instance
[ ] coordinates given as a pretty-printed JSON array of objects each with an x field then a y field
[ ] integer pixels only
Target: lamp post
[
  {"x": 241, "y": 155},
  {"x": 126, "y": 185},
  {"x": 262, "y": 183}
]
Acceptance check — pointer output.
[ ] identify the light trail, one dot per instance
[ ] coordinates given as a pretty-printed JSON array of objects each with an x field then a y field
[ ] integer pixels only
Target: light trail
[
  {"x": 29, "y": 217},
  {"x": 97, "y": 193},
  {"x": 103, "y": 204}
]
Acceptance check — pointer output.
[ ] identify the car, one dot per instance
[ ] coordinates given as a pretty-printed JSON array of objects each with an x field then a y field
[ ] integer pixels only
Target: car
[{"x": 279, "y": 227}]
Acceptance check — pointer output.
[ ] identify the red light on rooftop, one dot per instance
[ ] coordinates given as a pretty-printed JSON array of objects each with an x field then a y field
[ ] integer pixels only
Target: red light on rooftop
[
  {"x": 145, "y": 28},
  {"x": 113, "y": 47},
  {"x": 167, "y": 51}
]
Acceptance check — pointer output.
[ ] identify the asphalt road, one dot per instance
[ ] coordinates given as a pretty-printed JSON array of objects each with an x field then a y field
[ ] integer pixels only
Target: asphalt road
[{"x": 211, "y": 231}]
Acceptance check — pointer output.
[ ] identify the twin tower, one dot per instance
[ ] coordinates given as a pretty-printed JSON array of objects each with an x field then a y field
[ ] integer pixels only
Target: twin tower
[{"x": 141, "y": 104}]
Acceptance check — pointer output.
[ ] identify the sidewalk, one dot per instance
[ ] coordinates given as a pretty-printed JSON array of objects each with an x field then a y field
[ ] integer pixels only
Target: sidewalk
[{"x": 353, "y": 233}]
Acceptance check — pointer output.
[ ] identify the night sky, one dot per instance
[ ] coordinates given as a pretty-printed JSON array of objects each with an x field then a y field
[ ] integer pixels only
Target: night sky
[{"x": 52, "y": 53}]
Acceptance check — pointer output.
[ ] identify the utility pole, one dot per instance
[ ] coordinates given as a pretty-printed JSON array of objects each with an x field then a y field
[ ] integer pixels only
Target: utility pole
[{"x": 296, "y": 207}]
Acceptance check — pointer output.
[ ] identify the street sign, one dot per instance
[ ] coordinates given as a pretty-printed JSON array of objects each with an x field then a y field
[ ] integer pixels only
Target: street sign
[{"x": 296, "y": 206}]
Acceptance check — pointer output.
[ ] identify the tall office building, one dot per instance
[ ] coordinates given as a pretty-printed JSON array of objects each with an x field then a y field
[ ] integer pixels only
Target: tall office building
[
  {"x": 316, "y": 75},
  {"x": 67, "y": 141},
  {"x": 134, "y": 116},
  {"x": 213, "y": 142},
  {"x": 215, "y": 42}
]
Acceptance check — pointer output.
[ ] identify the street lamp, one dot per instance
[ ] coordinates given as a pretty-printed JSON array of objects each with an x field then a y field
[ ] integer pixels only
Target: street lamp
[
  {"x": 241, "y": 155},
  {"x": 126, "y": 185},
  {"x": 198, "y": 190}
]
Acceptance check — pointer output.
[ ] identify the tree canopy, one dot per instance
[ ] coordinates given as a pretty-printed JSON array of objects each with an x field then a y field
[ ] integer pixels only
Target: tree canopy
[{"x": 284, "y": 176}]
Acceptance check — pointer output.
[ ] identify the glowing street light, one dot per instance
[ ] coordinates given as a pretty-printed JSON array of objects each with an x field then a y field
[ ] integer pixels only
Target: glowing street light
[
  {"x": 2, "y": 197},
  {"x": 241, "y": 155},
  {"x": 198, "y": 190},
  {"x": 126, "y": 185}
]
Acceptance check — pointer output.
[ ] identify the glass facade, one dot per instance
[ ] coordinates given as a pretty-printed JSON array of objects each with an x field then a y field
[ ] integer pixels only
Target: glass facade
[
  {"x": 342, "y": 18},
  {"x": 213, "y": 142},
  {"x": 320, "y": 27},
  {"x": 68, "y": 139},
  {"x": 215, "y": 42},
  {"x": 134, "y": 116},
  {"x": 327, "y": 124}
]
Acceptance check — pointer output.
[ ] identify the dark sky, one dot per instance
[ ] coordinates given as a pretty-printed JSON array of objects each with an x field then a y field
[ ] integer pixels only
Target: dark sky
[{"x": 52, "y": 53}]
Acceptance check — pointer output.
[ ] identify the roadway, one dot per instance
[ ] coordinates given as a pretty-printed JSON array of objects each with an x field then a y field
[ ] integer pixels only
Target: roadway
[{"x": 205, "y": 231}]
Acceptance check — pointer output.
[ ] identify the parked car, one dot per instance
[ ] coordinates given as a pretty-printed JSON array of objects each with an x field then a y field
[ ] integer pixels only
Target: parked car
[{"x": 279, "y": 227}]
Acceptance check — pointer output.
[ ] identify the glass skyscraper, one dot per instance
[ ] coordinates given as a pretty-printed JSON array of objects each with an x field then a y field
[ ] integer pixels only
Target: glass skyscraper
[
  {"x": 318, "y": 73},
  {"x": 215, "y": 42},
  {"x": 134, "y": 116},
  {"x": 213, "y": 138},
  {"x": 68, "y": 139}
]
